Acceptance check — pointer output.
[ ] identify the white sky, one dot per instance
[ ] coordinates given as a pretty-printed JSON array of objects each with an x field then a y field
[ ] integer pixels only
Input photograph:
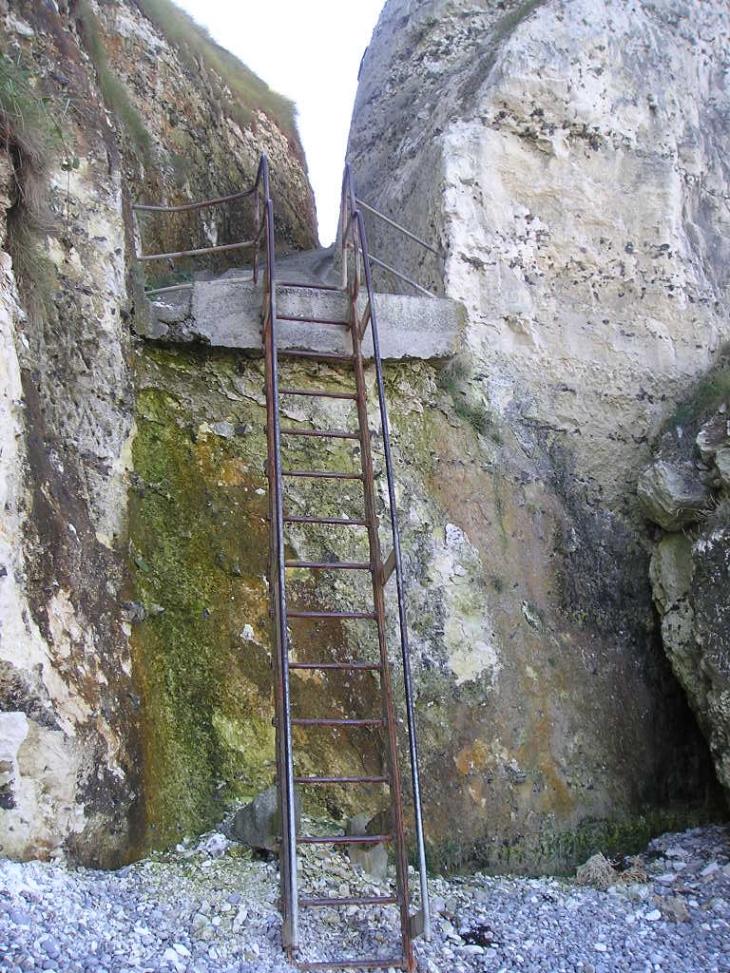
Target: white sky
[{"x": 310, "y": 51}]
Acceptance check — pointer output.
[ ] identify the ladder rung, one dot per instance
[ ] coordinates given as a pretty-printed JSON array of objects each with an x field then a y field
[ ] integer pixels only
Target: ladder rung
[
  {"x": 340, "y": 780},
  {"x": 323, "y": 474},
  {"x": 336, "y": 666},
  {"x": 343, "y": 839},
  {"x": 330, "y": 614},
  {"x": 335, "y": 721},
  {"x": 317, "y": 393},
  {"x": 330, "y": 565},
  {"x": 318, "y": 355},
  {"x": 334, "y": 903},
  {"x": 354, "y": 964},
  {"x": 291, "y": 317},
  {"x": 332, "y": 521},
  {"x": 320, "y": 433}
]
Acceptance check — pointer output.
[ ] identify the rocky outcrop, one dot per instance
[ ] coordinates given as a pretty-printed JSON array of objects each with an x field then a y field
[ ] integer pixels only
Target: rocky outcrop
[
  {"x": 690, "y": 575},
  {"x": 569, "y": 159},
  {"x": 99, "y": 107}
]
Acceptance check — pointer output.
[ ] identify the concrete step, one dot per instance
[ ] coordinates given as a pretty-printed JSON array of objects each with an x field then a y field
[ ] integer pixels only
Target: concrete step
[{"x": 225, "y": 312}]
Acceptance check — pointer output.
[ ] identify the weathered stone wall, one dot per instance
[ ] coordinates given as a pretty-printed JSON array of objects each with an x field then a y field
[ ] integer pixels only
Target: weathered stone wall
[{"x": 96, "y": 85}]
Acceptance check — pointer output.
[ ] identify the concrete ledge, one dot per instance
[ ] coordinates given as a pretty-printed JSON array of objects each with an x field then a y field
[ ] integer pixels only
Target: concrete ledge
[{"x": 225, "y": 313}]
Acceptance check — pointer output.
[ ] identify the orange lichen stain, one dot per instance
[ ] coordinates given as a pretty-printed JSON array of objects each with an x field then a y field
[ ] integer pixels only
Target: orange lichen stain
[
  {"x": 538, "y": 750},
  {"x": 474, "y": 757},
  {"x": 234, "y": 472}
]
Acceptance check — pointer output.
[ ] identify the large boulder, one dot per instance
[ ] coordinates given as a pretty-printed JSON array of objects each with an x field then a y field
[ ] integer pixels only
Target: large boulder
[
  {"x": 672, "y": 496},
  {"x": 258, "y": 824},
  {"x": 690, "y": 574}
]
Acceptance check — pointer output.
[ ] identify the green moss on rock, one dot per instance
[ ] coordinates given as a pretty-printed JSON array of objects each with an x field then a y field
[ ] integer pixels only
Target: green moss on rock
[{"x": 198, "y": 542}]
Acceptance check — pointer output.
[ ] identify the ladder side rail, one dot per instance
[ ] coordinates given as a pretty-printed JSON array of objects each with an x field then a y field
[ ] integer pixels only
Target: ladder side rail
[
  {"x": 388, "y": 708},
  {"x": 285, "y": 775},
  {"x": 405, "y": 651}
]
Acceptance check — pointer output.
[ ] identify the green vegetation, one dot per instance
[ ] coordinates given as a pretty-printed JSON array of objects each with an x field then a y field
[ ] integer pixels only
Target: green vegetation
[
  {"x": 31, "y": 137},
  {"x": 560, "y": 852},
  {"x": 198, "y": 545},
  {"x": 169, "y": 279},
  {"x": 237, "y": 89},
  {"x": 710, "y": 392},
  {"x": 451, "y": 379},
  {"x": 114, "y": 92}
]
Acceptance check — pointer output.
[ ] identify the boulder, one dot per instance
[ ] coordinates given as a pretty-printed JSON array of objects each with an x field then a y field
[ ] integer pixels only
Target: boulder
[
  {"x": 258, "y": 824},
  {"x": 714, "y": 435},
  {"x": 373, "y": 859},
  {"x": 672, "y": 496},
  {"x": 670, "y": 570}
]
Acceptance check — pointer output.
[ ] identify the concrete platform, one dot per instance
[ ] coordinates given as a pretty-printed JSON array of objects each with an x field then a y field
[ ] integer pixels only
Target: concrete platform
[{"x": 226, "y": 313}]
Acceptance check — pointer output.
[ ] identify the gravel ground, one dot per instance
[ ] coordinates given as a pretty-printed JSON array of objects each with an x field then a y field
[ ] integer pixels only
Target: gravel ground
[{"x": 211, "y": 908}]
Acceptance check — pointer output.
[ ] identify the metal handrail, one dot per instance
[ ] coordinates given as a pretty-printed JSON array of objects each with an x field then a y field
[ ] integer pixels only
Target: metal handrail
[
  {"x": 353, "y": 225},
  {"x": 361, "y": 204},
  {"x": 259, "y": 186},
  {"x": 285, "y": 760}
]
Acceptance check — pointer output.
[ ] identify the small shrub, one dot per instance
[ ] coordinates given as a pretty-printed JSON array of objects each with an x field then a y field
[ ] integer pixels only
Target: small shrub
[
  {"x": 718, "y": 516},
  {"x": 707, "y": 395},
  {"x": 450, "y": 379}
]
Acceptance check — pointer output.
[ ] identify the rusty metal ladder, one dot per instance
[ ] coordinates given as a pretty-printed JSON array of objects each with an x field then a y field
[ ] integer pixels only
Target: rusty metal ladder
[{"x": 360, "y": 319}]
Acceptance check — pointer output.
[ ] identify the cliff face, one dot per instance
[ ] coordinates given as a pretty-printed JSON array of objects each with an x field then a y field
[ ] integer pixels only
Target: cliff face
[
  {"x": 99, "y": 107},
  {"x": 575, "y": 186},
  {"x": 571, "y": 161}
]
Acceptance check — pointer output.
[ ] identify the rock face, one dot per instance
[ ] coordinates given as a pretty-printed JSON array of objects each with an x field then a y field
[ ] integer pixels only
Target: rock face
[
  {"x": 135, "y": 679},
  {"x": 690, "y": 576},
  {"x": 569, "y": 159},
  {"x": 99, "y": 107}
]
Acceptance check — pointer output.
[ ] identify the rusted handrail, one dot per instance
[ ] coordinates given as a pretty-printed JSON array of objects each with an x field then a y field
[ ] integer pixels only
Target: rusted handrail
[
  {"x": 358, "y": 203},
  {"x": 259, "y": 186},
  {"x": 386, "y": 219},
  {"x": 353, "y": 225},
  {"x": 284, "y": 755}
]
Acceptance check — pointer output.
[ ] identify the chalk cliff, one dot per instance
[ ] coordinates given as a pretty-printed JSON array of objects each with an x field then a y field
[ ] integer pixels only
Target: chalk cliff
[
  {"x": 570, "y": 160},
  {"x": 100, "y": 104}
]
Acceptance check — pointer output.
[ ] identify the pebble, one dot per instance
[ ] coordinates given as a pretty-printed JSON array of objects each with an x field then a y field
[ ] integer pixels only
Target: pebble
[{"x": 211, "y": 908}]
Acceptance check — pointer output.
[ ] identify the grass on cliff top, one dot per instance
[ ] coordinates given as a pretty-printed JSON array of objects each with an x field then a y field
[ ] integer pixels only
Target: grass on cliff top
[
  {"x": 112, "y": 89},
  {"x": 246, "y": 93}
]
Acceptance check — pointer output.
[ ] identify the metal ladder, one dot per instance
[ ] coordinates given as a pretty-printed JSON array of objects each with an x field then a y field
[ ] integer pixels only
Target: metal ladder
[{"x": 360, "y": 319}]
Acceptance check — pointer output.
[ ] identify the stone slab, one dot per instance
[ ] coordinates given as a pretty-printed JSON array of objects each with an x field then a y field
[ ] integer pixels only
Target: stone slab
[{"x": 227, "y": 314}]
